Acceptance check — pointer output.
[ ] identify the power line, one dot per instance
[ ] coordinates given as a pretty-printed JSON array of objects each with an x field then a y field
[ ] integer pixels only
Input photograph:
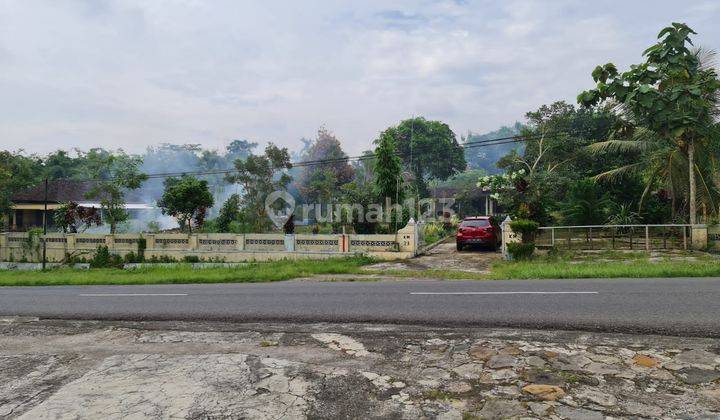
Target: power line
[
  {"x": 466, "y": 145},
  {"x": 317, "y": 162}
]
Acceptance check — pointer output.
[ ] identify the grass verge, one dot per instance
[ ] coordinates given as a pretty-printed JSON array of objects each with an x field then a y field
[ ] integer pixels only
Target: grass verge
[
  {"x": 628, "y": 269},
  {"x": 183, "y": 273}
]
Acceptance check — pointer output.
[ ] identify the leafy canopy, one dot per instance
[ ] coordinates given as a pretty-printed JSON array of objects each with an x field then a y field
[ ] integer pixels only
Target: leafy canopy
[
  {"x": 388, "y": 169},
  {"x": 116, "y": 173},
  {"x": 428, "y": 149},
  {"x": 257, "y": 176},
  {"x": 670, "y": 92},
  {"x": 186, "y": 198},
  {"x": 318, "y": 183}
]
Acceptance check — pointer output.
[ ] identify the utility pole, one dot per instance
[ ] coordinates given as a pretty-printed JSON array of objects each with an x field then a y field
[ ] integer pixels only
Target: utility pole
[
  {"x": 44, "y": 244},
  {"x": 397, "y": 199}
]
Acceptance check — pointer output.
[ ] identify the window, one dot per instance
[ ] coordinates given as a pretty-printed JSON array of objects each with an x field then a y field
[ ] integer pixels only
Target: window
[{"x": 475, "y": 223}]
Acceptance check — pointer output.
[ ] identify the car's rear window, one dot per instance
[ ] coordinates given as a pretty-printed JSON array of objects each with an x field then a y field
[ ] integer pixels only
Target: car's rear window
[{"x": 475, "y": 223}]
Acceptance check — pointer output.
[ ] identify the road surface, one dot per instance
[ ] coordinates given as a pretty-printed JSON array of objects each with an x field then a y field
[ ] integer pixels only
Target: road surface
[{"x": 683, "y": 306}]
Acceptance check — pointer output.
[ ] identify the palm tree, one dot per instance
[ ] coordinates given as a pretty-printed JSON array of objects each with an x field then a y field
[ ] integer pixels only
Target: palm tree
[
  {"x": 663, "y": 163},
  {"x": 682, "y": 154}
]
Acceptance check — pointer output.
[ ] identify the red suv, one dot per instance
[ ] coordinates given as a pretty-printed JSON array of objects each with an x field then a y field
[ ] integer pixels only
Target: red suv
[{"x": 482, "y": 230}]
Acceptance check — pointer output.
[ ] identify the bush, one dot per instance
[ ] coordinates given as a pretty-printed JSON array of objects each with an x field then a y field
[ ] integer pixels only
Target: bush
[
  {"x": 104, "y": 259},
  {"x": 526, "y": 228},
  {"x": 132, "y": 257},
  {"x": 191, "y": 259},
  {"x": 521, "y": 251},
  {"x": 433, "y": 232}
]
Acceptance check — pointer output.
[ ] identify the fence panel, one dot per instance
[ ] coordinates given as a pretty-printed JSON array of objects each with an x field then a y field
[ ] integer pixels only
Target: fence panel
[{"x": 620, "y": 237}]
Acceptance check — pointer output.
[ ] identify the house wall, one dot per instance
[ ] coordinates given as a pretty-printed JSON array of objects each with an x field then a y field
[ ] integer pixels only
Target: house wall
[
  {"x": 23, "y": 219},
  {"x": 217, "y": 247}
]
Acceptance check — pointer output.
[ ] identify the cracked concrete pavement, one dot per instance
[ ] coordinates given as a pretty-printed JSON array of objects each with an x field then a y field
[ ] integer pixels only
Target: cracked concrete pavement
[{"x": 111, "y": 370}]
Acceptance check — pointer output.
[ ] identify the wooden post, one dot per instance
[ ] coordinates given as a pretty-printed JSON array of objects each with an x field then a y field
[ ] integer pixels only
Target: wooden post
[
  {"x": 631, "y": 238},
  {"x": 569, "y": 233},
  {"x": 647, "y": 238},
  {"x": 590, "y": 237},
  {"x": 612, "y": 233},
  {"x": 685, "y": 238},
  {"x": 552, "y": 236}
]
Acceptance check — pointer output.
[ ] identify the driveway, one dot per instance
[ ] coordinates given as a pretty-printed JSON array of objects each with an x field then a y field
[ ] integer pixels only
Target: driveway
[{"x": 446, "y": 257}]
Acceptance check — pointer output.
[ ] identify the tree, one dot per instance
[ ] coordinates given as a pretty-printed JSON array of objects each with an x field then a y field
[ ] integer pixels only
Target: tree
[
  {"x": 61, "y": 165},
  {"x": 71, "y": 217},
  {"x": 364, "y": 166},
  {"x": 362, "y": 194},
  {"x": 239, "y": 149},
  {"x": 388, "y": 169},
  {"x": 429, "y": 150},
  {"x": 318, "y": 182},
  {"x": 16, "y": 173},
  {"x": 671, "y": 93},
  {"x": 229, "y": 212},
  {"x": 257, "y": 175},
  {"x": 586, "y": 204},
  {"x": 115, "y": 174},
  {"x": 187, "y": 199},
  {"x": 554, "y": 157}
]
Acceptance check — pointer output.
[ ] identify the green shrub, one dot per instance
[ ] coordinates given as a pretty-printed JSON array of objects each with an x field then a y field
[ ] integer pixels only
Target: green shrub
[
  {"x": 191, "y": 259},
  {"x": 382, "y": 229},
  {"x": 526, "y": 228},
  {"x": 433, "y": 232},
  {"x": 521, "y": 251},
  {"x": 104, "y": 259},
  {"x": 132, "y": 257}
]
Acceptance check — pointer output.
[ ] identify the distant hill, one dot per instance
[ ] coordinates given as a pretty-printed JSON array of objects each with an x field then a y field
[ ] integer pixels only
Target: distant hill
[{"x": 486, "y": 157}]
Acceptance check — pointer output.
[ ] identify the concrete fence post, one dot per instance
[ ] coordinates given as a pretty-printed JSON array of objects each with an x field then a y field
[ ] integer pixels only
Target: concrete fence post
[
  {"x": 289, "y": 242},
  {"x": 150, "y": 241},
  {"x": 70, "y": 243},
  {"x": 407, "y": 237},
  {"x": 240, "y": 242},
  {"x": 507, "y": 237},
  {"x": 699, "y": 236},
  {"x": 193, "y": 242},
  {"x": 3, "y": 247}
]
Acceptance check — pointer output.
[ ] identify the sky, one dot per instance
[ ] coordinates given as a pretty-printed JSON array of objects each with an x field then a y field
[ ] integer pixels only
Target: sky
[{"x": 134, "y": 73}]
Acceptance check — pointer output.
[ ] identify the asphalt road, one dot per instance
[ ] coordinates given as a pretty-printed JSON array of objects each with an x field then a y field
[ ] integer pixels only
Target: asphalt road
[{"x": 686, "y": 306}]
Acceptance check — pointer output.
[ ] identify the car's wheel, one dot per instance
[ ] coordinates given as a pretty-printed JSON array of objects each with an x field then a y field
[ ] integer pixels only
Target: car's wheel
[
  {"x": 494, "y": 247},
  {"x": 459, "y": 246}
]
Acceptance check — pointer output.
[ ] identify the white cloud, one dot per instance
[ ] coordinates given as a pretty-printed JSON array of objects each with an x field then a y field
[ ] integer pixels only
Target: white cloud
[{"x": 134, "y": 73}]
